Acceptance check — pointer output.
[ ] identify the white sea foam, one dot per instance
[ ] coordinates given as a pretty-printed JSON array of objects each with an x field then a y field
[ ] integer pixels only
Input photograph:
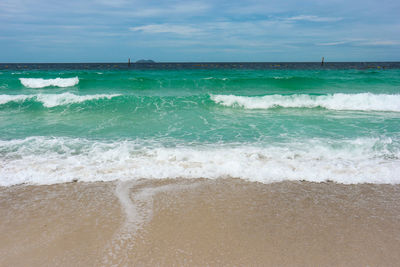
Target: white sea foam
[
  {"x": 40, "y": 83},
  {"x": 138, "y": 209},
  {"x": 53, "y": 100},
  {"x": 41, "y": 160},
  {"x": 362, "y": 101},
  {"x": 213, "y": 78},
  {"x": 13, "y": 98},
  {"x": 282, "y": 78}
]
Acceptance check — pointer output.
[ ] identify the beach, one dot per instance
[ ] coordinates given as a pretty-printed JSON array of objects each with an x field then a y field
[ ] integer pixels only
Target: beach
[{"x": 197, "y": 222}]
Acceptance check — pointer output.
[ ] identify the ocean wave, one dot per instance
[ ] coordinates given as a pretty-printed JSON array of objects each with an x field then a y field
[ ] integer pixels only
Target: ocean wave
[
  {"x": 44, "y": 160},
  {"x": 282, "y": 78},
  {"x": 339, "y": 101},
  {"x": 40, "y": 83},
  {"x": 214, "y": 78},
  {"x": 53, "y": 100}
]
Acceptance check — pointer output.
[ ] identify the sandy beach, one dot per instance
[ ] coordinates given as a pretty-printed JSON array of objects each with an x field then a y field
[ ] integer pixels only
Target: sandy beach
[{"x": 198, "y": 222}]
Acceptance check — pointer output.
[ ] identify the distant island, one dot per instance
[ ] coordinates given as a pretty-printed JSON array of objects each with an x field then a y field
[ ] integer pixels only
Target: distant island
[{"x": 145, "y": 61}]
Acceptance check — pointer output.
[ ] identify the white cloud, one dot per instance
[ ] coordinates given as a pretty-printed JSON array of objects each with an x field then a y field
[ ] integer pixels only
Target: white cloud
[
  {"x": 362, "y": 42},
  {"x": 178, "y": 9},
  {"x": 167, "y": 28},
  {"x": 333, "y": 43},
  {"x": 314, "y": 18},
  {"x": 112, "y": 3},
  {"x": 143, "y": 10},
  {"x": 380, "y": 42}
]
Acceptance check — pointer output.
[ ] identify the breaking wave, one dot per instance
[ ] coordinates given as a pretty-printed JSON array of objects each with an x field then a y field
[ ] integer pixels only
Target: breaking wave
[
  {"x": 53, "y": 100},
  {"x": 40, "y": 83},
  {"x": 339, "y": 101},
  {"x": 47, "y": 160}
]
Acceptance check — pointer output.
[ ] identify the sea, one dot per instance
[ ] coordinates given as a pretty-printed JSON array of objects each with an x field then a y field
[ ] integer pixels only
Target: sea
[{"x": 259, "y": 122}]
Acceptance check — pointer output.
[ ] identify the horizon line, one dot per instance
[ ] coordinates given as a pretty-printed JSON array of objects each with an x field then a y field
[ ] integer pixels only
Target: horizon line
[{"x": 201, "y": 62}]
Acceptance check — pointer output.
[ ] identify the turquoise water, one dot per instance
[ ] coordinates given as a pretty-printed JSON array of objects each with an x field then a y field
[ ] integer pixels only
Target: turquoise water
[{"x": 259, "y": 125}]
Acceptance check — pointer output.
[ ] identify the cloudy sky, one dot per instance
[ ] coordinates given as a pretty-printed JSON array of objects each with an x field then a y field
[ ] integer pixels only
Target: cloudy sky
[{"x": 205, "y": 30}]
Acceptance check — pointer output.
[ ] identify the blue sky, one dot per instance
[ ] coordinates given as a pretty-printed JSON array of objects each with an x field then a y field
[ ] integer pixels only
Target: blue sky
[{"x": 277, "y": 30}]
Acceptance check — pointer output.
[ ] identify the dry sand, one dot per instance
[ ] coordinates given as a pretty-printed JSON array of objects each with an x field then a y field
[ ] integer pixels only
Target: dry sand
[{"x": 183, "y": 222}]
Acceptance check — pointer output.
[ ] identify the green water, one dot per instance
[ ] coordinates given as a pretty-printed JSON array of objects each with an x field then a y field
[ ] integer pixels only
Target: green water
[{"x": 346, "y": 120}]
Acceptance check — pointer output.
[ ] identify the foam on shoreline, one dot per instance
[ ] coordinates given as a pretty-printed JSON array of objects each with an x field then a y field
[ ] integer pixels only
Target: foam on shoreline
[{"x": 44, "y": 160}]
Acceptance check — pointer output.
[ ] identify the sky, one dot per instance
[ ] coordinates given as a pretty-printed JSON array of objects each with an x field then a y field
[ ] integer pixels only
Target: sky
[{"x": 199, "y": 31}]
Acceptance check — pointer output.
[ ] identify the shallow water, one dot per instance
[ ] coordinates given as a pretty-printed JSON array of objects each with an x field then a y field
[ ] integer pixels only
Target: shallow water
[{"x": 292, "y": 122}]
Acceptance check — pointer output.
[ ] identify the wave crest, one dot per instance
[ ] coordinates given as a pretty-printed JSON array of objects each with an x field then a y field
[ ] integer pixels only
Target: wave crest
[
  {"x": 339, "y": 101},
  {"x": 53, "y": 100},
  {"x": 40, "y": 83}
]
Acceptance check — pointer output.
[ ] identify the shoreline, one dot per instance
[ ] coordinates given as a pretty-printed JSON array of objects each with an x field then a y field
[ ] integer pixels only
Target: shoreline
[{"x": 198, "y": 222}]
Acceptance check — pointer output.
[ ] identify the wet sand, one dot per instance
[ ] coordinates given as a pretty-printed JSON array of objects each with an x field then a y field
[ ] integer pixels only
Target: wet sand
[{"x": 183, "y": 222}]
